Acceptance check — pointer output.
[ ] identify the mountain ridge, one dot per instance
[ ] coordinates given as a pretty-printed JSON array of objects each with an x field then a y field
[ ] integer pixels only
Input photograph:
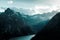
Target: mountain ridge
[
  {"x": 12, "y": 25},
  {"x": 51, "y": 30}
]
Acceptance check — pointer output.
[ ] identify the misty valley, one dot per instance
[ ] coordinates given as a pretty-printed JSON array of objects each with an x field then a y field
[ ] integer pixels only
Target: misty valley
[
  {"x": 18, "y": 26},
  {"x": 29, "y": 19}
]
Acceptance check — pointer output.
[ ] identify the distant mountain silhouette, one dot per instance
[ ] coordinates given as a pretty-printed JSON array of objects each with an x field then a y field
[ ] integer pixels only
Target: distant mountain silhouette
[
  {"x": 36, "y": 21},
  {"x": 51, "y": 30},
  {"x": 12, "y": 25}
]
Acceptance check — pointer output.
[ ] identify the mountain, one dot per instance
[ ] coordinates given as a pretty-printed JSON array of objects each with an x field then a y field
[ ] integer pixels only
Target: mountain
[
  {"x": 12, "y": 25},
  {"x": 51, "y": 30},
  {"x": 38, "y": 21},
  {"x": 36, "y": 18}
]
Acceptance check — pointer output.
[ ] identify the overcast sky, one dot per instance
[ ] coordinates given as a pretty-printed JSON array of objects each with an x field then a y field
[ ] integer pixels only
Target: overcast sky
[
  {"x": 43, "y": 5},
  {"x": 28, "y": 3}
]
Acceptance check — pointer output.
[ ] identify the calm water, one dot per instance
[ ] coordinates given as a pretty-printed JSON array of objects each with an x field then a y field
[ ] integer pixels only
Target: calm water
[{"x": 23, "y": 37}]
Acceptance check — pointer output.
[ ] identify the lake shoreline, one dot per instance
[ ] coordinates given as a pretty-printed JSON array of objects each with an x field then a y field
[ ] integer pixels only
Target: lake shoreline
[{"x": 28, "y": 37}]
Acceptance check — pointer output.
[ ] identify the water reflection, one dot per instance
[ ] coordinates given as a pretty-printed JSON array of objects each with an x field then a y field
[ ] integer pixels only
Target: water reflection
[{"x": 23, "y": 37}]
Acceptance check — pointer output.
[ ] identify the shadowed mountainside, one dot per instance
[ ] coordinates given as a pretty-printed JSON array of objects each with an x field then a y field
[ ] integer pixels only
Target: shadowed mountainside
[
  {"x": 12, "y": 25},
  {"x": 51, "y": 30}
]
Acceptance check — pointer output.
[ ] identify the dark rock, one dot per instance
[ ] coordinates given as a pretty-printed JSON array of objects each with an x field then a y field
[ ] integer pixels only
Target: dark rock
[
  {"x": 51, "y": 30},
  {"x": 12, "y": 25}
]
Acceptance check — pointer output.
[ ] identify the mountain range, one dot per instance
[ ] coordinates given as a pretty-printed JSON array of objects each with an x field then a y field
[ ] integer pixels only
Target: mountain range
[
  {"x": 51, "y": 30},
  {"x": 34, "y": 20},
  {"x": 13, "y": 23}
]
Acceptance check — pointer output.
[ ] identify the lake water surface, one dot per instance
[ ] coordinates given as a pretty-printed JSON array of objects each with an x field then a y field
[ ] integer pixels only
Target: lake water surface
[{"x": 23, "y": 37}]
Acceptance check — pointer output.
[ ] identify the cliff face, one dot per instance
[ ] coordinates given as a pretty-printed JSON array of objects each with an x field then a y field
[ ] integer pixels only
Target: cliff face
[
  {"x": 12, "y": 25},
  {"x": 51, "y": 30}
]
